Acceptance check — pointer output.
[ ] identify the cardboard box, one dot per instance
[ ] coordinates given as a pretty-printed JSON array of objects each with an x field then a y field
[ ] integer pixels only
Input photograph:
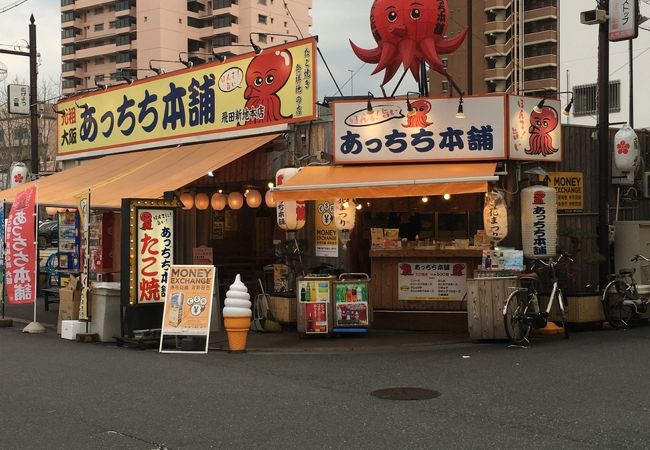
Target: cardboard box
[
  {"x": 69, "y": 300},
  {"x": 581, "y": 309},
  {"x": 70, "y": 329}
]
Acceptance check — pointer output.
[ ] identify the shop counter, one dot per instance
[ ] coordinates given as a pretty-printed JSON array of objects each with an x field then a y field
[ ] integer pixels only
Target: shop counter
[
  {"x": 421, "y": 279},
  {"x": 486, "y": 297}
]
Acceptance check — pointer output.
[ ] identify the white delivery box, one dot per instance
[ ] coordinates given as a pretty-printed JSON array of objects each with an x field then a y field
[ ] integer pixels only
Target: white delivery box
[{"x": 70, "y": 329}]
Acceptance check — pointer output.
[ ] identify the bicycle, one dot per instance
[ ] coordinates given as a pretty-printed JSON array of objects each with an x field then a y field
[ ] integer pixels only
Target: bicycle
[
  {"x": 623, "y": 299},
  {"x": 521, "y": 311}
]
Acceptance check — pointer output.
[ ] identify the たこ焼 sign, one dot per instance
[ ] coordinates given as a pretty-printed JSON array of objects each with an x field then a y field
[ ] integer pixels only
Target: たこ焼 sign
[
  {"x": 246, "y": 95},
  {"x": 428, "y": 130}
]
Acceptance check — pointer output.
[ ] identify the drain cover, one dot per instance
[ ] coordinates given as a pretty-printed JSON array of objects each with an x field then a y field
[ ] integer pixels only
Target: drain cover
[{"x": 405, "y": 393}]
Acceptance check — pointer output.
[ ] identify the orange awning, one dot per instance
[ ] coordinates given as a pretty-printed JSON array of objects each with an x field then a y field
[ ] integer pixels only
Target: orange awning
[
  {"x": 385, "y": 181},
  {"x": 146, "y": 174}
]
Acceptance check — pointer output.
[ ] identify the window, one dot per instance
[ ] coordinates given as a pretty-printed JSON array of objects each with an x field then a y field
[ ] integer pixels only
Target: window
[
  {"x": 194, "y": 22},
  {"x": 67, "y": 2},
  {"x": 123, "y": 39},
  {"x": 586, "y": 98},
  {"x": 99, "y": 61},
  {"x": 122, "y": 5},
  {"x": 69, "y": 84},
  {"x": 261, "y": 2},
  {"x": 99, "y": 78},
  {"x": 123, "y": 57},
  {"x": 67, "y": 17},
  {"x": 223, "y": 40},
  {"x": 99, "y": 26},
  {"x": 263, "y": 38},
  {"x": 261, "y": 19},
  {"x": 112, "y": 24},
  {"x": 67, "y": 67},
  {"x": 67, "y": 33},
  {"x": 224, "y": 20},
  {"x": 444, "y": 86},
  {"x": 67, "y": 50},
  {"x": 445, "y": 62},
  {"x": 124, "y": 22},
  {"x": 218, "y": 4}
]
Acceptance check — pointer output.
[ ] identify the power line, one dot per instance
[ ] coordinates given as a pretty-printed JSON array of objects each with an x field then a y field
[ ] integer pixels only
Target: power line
[{"x": 12, "y": 6}]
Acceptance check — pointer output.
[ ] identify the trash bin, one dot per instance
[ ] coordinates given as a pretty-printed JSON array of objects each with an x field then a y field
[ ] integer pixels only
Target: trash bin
[
  {"x": 105, "y": 310},
  {"x": 351, "y": 303},
  {"x": 314, "y": 294}
]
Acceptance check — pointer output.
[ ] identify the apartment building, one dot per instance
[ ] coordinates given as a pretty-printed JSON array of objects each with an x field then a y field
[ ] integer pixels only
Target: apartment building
[
  {"x": 512, "y": 47},
  {"x": 105, "y": 42}
]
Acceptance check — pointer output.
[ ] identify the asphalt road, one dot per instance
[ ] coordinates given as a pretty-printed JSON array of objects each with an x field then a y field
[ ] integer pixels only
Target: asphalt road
[{"x": 591, "y": 391}]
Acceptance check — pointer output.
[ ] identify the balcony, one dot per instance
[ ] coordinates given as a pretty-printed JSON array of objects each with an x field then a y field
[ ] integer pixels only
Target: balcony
[
  {"x": 498, "y": 73},
  {"x": 547, "y": 12},
  {"x": 498, "y": 49},
  {"x": 126, "y": 12},
  {"x": 550, "y": 84},
  {"x": 540, "y": 61},
  {"x": 498, "y": 26},
  {"x": 95, "y": 52},
  {"x": 540, "y": 37},
  {"x": 491, "y": 5}
]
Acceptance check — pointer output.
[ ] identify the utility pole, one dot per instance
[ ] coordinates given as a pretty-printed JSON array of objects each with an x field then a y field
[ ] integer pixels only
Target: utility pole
[
  {"x": 603, "y": 147},
  {"x": 33, "y": 89}
]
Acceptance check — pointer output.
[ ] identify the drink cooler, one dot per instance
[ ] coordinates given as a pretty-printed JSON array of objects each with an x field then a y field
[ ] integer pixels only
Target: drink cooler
[{"x": 301, "y": 318}]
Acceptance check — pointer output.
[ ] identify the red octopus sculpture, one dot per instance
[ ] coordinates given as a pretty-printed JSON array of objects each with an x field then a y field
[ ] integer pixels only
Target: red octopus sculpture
[
  {"x": 265, "y": 76},
  {"x": 407, "y": 32},
  {"x": 541, "y": 124},
  {"x": 417, "y": 117}
]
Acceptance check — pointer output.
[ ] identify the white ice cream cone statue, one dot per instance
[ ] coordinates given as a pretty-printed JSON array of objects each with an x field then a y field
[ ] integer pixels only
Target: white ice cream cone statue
[{"x": 237, "y": 315}]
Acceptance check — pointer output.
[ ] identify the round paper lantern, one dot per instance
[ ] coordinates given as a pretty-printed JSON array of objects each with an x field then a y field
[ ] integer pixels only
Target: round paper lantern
[
  {"x": 539, "y": 221},
  {"x": 18, "y": 174},
  {"x": 187, "y": 199},
  {"x": 235, "y": 200},
  {"x": 201, "y": 201},
  {"x": 218, "y": 201},
  {"x": 268, "y": 199},
  {"x": 291, "y": 215},
  {"x": 61, "y": 210},
  {"x": 626, "y": 149},
  {"x": 495, "y": 217},
  {"x": 51, "y": 211},
  {"x": 253, "y": 198},
  {"x": 344, "y": 214}
]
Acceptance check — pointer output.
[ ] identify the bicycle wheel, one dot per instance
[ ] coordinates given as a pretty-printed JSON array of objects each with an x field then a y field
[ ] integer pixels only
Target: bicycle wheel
[
  {"x": 516, "y": 324},
  {"x": 563, "y": 313},
  {"x": 617, "y": 314}
]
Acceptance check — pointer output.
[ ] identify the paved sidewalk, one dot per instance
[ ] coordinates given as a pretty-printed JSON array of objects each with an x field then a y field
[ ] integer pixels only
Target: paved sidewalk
[{"x": 286, "y": 341}]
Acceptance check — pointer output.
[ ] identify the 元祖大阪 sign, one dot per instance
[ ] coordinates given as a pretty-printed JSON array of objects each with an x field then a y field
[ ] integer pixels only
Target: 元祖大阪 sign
[{"x": 569, "y": 187}]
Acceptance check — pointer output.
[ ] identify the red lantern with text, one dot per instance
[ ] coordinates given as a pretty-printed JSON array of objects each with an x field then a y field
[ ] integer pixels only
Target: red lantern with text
[
  {"x": 408, "y": 33},
  {"x": 626, "y": 149},
  {"x": 291, "y": 215},
  {"x": 539, "y": 222}
]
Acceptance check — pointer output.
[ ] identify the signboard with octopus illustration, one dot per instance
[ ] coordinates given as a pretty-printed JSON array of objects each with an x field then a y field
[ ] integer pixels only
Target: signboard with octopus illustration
[
  {"x": 427, "y": 131},
  {"x": 246, "y": 95},
  {"x": 535, "y": 132}
]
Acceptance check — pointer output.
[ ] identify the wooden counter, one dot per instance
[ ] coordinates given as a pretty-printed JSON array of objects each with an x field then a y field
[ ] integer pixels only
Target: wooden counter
[
  {"x": 384, "y": 272},
  {"x": 486, "y": 298}
]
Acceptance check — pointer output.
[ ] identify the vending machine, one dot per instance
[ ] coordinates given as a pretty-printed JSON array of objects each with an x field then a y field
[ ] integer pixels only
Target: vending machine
[
  {"x": 351, "y": 305},
  {"x": 314, "y": 294}
]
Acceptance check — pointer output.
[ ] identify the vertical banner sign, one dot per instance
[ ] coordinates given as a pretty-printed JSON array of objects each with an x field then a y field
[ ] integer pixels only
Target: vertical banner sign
[
  {"x": 154, "y": 253},
  {"x": 188, "y": 304},
  {"x": 21, "y": 255},
  {"x": 83, "y": 205},
  {"x": 539, "y": 222},
  {"x": 327, "y": 238},
  {"x": 2, "y": 244}
]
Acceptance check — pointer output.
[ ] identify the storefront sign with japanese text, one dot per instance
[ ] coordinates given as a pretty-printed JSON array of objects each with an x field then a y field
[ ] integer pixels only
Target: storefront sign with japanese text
[
  {"x": 569, "y": 187},
  {"x": 155, "y": 253},
  {"x": 429, "y": 131},
  {"x": 188, "y": 307},
  {"x": 327, "y": 237},
  {"x": 246, "y": 94},
  {"x": 20, "y": 259},
  {"x": 432, "y": 281},
  {"x": 535, "y": 132}
]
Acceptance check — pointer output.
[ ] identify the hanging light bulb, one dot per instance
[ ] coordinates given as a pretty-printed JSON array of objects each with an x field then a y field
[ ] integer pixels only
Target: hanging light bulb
[
  {"x": 446, "y": 196},
  {"x": 218, "y": 201},
  {"x": 188, "y": 200},
  {"x": 359, "y": 207},
  {"x": 253, "y": 198},
  {"x": 235, "y": 200},
  {"x": 425, "y": 199},
  {"x": 201, "y": 201}
]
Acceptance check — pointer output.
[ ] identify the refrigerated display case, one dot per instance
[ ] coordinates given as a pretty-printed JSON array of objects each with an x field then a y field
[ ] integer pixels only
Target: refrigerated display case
[
  {"x": 314, "y": 298},
  {"x": 69, "y": 246},
  {"x": 351, "y": 305},
  {"x": 101, "y": 231}
]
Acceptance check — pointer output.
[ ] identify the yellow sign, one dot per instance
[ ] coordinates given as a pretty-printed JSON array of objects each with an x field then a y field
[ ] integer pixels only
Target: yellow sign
[
  {"x": 249, "y": 94},
  {"x": 569, "y": 187},
  {"x": 327, "y": 238}
]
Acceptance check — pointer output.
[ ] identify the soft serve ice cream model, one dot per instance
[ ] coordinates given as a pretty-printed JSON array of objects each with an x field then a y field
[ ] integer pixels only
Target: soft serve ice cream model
[{"x": 237, "y": 315}]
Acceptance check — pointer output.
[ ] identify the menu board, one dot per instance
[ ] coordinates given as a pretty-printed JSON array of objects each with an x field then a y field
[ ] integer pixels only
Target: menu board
[
  {"x": 351, "y": 304},
  {"x": 432, "y": 281}
]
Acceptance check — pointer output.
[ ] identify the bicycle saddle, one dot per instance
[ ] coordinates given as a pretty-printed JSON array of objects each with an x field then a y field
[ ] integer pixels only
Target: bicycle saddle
[
  {"x": 626, "y": 271},
  {"x": 528, "y": 276}
]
